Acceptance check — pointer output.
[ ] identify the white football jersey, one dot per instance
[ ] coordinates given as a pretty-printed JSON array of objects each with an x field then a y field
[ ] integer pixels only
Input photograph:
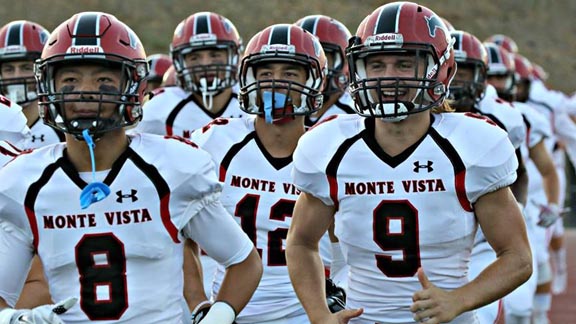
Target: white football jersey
[
  {"x": 173, "y": 111},
  {"x": 42, "y": 135},
  {"x": 13, "y": 127},
  {"x": 258, "y": 190},
  {"x": 503, "y": 114},
  {"x": 396, "y": 214},
  {"x": 7, "y": 152},
  {"x": 538, "y": 127},
  {"x": 122, "y": 256}
]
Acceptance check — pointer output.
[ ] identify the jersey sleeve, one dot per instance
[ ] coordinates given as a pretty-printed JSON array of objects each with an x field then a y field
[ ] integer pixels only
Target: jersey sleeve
[
  {"x": 13, "y": 126},
  {"x": 193, "y": 178},
  {"x": 310, "y": 160},
  {"x": 16, "y": 254},
  {"x": 539, "y": 126},
  {"x": 211, "y": 223},
  {"x": 494, "y": 166},
  {"x": 516, "y": 129}
]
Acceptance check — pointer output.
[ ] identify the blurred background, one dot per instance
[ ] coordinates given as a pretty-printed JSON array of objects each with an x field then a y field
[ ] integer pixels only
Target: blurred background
[{"x": 545, "y": 30}]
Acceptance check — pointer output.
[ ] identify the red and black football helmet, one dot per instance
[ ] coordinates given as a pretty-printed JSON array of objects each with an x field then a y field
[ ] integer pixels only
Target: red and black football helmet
[
  {"x": 501, "y": 63},
  {"x": 206, "y": 30},
  {"x": 523, "y": 75},
  {"x": 92, "y": 38},
  {"x": 333, "y": 36},
  {"x": 539, "y": 73},
  {"x": 401, "y": 28},
  {"x": 469, "y": 52},
  {"x": 503, "y": 41},
  {"x": 158, "y": 64},
  {"x": 283, "y": 43},
  {"x": 21, "y": 41}
]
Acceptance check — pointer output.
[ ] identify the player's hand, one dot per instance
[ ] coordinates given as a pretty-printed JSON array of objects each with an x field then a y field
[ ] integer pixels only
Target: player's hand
[
  {"x": 549, "y": 214},
  {"x": 45, "y": 314},
  {"x": 341, "y": 317},
  {"x": 200, "y": 312},
  {"x": 433, "y": 305},
  {"x": 218, "y": 313}
]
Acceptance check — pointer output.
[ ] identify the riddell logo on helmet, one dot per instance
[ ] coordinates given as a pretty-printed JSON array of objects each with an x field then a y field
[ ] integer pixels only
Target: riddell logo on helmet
[
  {"x": 84, "y": 49},
  {"x": 12, "y": 49},
  {"x": 278, "y": 47},
  {"x": 203, "y": 38},
  {"x": 387, "y": 37}
]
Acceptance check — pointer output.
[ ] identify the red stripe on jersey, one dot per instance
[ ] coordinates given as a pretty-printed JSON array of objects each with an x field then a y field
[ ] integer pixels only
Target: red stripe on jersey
[
  {"x": 33, "y": 226},
  {"x": 460, "y": 181},
  {"x": 165, "y": 215},
  {"x": 169, "y": 130},
  {"x": 222, "y": 174},
  {"x": 333, "y": 184}
]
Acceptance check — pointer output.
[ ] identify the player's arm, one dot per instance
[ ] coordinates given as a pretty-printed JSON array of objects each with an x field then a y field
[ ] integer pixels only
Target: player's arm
[
  {"x": 545, "y": 165},
  {"x": 520, "y": 186},
  {"x": 16, "y": 254},
  {"x": 193, "y": 285},
  {"x": 310, "y": 220},
  {"x": 35, "y": 292},
  {"x": 504, "y": 228},
  {"x": 237, "y": 253}
]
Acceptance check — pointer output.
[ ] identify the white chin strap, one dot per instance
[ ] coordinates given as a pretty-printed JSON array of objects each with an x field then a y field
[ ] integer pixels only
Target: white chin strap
[{"x": 208, "y": 92}]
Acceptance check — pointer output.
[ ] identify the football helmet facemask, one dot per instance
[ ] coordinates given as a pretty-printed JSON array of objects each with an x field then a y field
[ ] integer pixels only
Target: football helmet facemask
[
  {"x": 92, "y": 38},
  {"x": 202, "y": 31},
  {"x": 21, "y": 41},
  {"x": 282, "y": 43},
  {"x": 468, "y": 53},
  {"x": 501, "y": 63},
  {"x": 408, "y": 29}
]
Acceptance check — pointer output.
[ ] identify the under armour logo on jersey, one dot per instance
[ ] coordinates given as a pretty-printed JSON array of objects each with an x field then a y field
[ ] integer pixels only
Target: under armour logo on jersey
[
  {"x": 131, "y": 195},
  {"x": 427, "y": 166},
  {"x": 40, "y": 138},
  {"x": 433, "y": 22}
]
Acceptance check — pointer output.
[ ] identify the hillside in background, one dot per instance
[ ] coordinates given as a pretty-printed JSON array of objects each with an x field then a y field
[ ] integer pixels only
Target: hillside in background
[{"x": 545, "y": 30}]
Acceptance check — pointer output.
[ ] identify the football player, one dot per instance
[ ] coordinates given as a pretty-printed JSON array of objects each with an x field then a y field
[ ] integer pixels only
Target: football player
[
  {"x": 281, "y": 79},
  {"x": 333, "y": 36},
  {"x": 205, "y": 50},
  {"x": 117, "y": 247},
  {"x": 13, "y": 128},
  {"x": 21, "y": 43},
  {"x": 407, "y": 184}
]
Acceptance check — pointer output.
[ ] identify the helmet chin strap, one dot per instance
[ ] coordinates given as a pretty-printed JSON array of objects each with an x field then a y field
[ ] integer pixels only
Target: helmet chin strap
[
  {"x": 94, "y": 191},
  {"x": 207, "y": 94}
]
